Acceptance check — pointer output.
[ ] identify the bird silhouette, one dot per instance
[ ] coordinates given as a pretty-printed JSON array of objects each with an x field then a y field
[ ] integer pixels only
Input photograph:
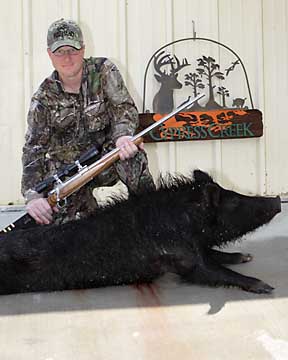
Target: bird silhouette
[{"x": 232, "y": 67}]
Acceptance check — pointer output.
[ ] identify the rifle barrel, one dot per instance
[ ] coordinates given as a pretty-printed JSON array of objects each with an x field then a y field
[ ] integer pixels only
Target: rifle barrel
[
  {"x": 168, "y": 116},
  {"x": 68, "y": 187},
  {"x": 83, "y": 176}
]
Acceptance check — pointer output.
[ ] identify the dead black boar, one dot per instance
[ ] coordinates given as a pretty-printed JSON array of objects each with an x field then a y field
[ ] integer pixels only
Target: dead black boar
[{"x": 171, "y": 229}]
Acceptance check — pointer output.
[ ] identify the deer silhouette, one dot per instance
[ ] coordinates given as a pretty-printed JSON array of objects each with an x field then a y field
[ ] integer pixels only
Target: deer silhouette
[{"x": 163, "y": 101}]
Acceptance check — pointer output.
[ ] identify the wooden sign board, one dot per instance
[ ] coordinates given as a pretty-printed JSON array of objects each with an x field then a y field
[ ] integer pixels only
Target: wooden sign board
[{"x": 204, "y": 125}]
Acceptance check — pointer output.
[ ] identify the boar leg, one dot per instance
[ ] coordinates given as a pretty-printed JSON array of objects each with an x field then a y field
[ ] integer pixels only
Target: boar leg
[
  {"x": 228, "y": 258},
  {"x": 213, "y": 274}
]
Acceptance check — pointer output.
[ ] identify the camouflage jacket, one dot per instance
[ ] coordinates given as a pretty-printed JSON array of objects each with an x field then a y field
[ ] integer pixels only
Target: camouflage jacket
[{"x": 61, "y": 125}]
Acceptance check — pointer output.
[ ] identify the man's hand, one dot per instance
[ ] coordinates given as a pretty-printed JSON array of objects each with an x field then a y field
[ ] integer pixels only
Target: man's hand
[
  {"x": 127, "y": 148},
  {"x": 41, "y": 211}
]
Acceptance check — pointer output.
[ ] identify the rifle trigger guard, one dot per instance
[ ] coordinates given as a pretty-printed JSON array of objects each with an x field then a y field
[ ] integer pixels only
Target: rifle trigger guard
[{"x": 60, "y": 202}]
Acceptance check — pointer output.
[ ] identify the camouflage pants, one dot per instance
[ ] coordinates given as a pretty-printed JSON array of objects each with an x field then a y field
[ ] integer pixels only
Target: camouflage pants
[{"x": 134, "y": 173}]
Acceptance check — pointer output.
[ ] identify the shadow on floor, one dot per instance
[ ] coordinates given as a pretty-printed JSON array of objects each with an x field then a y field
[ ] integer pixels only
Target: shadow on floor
[
  {"x": 270, "y": 264},
  {"x": 268, "y": 245}
]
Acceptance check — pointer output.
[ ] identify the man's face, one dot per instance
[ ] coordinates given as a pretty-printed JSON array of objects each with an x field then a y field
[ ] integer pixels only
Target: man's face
[{"x": 67, "y": 61}]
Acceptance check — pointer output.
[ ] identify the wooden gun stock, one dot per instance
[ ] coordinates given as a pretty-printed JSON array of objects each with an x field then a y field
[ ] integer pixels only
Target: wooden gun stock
[
  {"x": 64, "y": 189},
  {"x": 70, "y": 186}
]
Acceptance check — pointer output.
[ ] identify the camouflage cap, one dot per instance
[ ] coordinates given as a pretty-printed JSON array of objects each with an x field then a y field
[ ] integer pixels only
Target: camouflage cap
[{"x": 64, "y": 33}]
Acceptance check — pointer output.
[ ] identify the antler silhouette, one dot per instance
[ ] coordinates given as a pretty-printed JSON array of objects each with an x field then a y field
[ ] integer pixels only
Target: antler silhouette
[
  {"x": 179, "y": 66},
  {"x": 167, "y": 59},
  {"x": 162, "y": 61}
]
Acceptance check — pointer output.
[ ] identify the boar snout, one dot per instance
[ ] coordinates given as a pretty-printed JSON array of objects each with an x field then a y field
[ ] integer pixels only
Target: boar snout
[
  {"x": 278, "y": 203},
  {"x": 275, "y": 204}
]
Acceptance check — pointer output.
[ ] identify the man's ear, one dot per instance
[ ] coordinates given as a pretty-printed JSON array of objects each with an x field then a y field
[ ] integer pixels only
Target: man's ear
[
  {"x": 211, "y": 195},
  {"x": 49, "y": 52}
]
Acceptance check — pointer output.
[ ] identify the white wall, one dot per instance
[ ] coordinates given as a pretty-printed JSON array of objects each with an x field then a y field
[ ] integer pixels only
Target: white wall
[{"x": 129, "y": 32}]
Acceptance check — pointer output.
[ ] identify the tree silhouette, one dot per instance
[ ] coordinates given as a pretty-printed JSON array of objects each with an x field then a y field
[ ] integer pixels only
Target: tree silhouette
[
  {"x": 193, "y": 79},
  {"x": 223, "y": 92},
  {"x": 210, "y": 70}
]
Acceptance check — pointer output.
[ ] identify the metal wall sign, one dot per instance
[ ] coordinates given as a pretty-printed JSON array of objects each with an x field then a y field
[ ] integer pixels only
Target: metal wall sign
[
  {"x": 209, "y": 125},
  {"x": 226, "y": 112}
]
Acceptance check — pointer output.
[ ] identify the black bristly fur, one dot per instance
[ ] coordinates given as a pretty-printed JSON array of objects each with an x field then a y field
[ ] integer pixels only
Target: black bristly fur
[{"x": 137, "y": 240}]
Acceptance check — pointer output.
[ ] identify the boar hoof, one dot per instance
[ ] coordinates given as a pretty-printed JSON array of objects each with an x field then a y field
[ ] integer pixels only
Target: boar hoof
[{"x": 260, "y": 288}]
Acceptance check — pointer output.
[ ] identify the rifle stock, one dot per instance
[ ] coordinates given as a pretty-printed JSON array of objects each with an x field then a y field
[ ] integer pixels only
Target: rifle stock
[
  {"x": 64, "y": 189},
  {"x": 70, "y": 186}
]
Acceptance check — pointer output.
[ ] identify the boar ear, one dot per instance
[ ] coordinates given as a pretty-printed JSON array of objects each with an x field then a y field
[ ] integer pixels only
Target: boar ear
[
  {"x": 202, "y": 177},
  {"x": 211, "y": 194}
]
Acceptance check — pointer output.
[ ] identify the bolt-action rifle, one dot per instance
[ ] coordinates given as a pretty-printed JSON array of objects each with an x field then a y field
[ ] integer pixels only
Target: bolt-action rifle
[{"x": 80, "y": 172}]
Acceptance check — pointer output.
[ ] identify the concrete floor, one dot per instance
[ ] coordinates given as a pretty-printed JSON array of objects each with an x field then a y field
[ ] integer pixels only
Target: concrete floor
[{"x": 168, "y": 321}]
